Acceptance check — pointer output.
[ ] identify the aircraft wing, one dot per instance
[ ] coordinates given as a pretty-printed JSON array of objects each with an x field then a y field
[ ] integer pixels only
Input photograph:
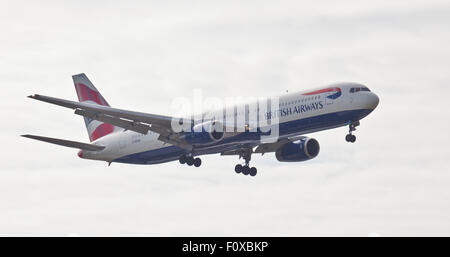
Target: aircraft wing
[
  {"x": 67, "y": 143},
  {"x": 129, "y": 120}
]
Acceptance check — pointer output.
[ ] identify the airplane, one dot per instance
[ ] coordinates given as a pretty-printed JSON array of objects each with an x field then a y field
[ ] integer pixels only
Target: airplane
[{"x": 124, "y": 136}]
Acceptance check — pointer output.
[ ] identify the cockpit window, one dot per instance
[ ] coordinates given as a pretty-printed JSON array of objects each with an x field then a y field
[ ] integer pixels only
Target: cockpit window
[{"x": 357, "y": 89}]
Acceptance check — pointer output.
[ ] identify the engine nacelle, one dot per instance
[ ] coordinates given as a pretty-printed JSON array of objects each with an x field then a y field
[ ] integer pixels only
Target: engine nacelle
[
  {"x": 298, "y": 151},
  {"x": 205, "y": 133}
]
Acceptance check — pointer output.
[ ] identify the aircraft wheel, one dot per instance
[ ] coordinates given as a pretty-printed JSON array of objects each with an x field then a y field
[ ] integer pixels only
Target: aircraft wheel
[
  {"x": 245, "y": 170},
  {"x": 183, "y": 159},
  {"x": 348, "y": 137},
  {"x": 197, "y": 162},
  {"x": 253, "y": 171},
  {"x": 353, "y": 138},
  {"x": 238, "y": 168},
  {"x": 190, "y": 161}
]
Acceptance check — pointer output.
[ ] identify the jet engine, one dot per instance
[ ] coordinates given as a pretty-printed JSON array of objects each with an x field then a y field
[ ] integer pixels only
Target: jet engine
[
  {"x": 205, "y": 133},
  {"x": 298, "y": 151}
]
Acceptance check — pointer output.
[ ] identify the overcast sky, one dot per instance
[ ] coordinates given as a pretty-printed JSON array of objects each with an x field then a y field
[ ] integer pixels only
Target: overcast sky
[{"x": 393, "y": 181}]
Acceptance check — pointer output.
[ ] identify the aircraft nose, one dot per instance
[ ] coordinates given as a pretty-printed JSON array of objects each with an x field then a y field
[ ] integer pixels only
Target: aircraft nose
[{"x": 372, "y": 101}]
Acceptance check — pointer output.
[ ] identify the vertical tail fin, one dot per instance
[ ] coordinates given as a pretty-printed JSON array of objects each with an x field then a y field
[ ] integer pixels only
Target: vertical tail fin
[{"x": 87, "y": 92}]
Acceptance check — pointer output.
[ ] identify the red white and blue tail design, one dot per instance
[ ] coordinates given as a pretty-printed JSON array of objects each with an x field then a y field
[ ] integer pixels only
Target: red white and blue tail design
[{"x": 88, "y": 93}]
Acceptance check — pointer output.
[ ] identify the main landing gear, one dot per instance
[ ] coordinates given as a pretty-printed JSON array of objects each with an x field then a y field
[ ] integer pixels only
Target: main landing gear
[
  {"x": 190, "y": 160},
  {"x": 245, "y": 169},
  {"x": 352, "y": 127}
]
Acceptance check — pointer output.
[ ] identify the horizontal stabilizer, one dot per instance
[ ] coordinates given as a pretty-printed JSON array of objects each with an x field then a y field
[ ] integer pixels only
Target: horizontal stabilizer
[{"x": 67, "y": 143}]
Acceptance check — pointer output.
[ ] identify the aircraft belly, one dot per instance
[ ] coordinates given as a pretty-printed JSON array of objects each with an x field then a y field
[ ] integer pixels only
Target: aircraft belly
[{"x": 158, "y": 152}]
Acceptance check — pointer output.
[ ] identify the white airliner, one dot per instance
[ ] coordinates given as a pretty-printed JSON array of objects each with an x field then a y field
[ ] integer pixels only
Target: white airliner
[{"x": 124, "y": 136}]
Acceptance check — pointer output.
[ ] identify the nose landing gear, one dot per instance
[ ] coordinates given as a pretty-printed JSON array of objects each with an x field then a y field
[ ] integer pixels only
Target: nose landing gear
[{"x": 352, "y": 127}]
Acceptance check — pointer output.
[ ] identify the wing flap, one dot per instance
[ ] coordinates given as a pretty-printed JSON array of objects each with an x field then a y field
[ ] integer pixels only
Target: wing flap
[{"x": 67, "y": 143}]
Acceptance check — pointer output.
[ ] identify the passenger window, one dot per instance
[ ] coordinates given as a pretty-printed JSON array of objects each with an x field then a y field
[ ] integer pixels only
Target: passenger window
[
  {"x": 357, "y": 89},
  {"x": 352, "y": 90}
]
